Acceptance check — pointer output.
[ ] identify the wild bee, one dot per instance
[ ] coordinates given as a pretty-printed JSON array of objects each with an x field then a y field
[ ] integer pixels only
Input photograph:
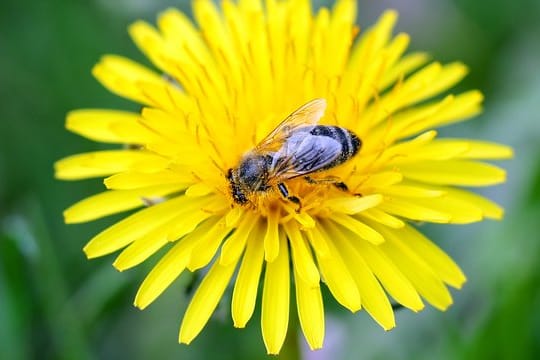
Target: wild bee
[{"x": 296, "y": 147}]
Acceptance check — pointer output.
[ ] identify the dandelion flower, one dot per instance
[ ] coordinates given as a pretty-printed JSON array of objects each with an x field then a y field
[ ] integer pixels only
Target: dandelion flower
[{"x": 221, "y": 83}]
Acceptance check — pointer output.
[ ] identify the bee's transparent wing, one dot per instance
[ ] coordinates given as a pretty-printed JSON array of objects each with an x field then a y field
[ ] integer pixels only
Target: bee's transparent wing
[
  {"x": 304, "y": 153},
  {"x": 308, "y": 114}
]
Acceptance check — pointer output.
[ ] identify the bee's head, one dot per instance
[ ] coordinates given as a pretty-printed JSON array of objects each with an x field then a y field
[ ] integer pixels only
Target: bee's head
[
  {"x": 252, "y": 171},
  {"x": 249, "y": 177}
]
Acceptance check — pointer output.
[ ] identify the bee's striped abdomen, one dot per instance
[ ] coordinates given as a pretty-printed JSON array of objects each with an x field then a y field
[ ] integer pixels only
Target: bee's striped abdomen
[{"x": 350, "y": 143}]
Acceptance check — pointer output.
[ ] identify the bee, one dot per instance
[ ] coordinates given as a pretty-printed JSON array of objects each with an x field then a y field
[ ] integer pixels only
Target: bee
[{"x": 296, "y": 147}]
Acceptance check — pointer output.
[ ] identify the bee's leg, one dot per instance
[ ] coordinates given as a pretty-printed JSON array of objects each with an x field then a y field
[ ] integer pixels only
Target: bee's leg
[
  {"x": 341, "y": 186},
  {"x": 285, "y": 192},
  {"x": 295, "y": 200},
  {"x": 329, "y": 180}
]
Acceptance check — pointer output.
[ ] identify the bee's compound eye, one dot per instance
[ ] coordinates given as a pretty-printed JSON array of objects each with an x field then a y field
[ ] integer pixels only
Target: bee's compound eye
[{"x": 251, "y": 168}]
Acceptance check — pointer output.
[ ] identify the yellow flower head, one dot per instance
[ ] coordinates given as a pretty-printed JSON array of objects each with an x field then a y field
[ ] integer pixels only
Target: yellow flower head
[{"x": 222, "y": 85}]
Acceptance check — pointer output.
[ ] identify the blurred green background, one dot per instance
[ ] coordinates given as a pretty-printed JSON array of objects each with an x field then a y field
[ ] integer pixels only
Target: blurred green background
[{"x": 54, "y": 304}]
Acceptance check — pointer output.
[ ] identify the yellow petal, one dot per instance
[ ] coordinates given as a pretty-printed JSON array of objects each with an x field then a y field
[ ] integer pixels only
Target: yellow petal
[
  {"x": 445, "y": 149},
  {"x": 396, "y": 153},
  {"x": 177, "y": 58},
  {"x": 100, "y": 163},
  {"x": 236, "y": 242},
  {"x": 167, "y": 94},
  {"x": 275, "y": 300},
  {"x": 301, "y": 255},
  {"x": 111, "y": 126},
  {"x": 414, "y": 120},
  {"x": 177, "y": 28},
  {"x": 382, "y": 179},
  {"x": 374, "y": 299},
  {"x": 132, "y": 179},
  {"x": 390, "y": 276},
  {"x": 472, "y": 149},
  {"x": 450, "y": 110},
  {"x": 145, "y": 246},
  {"x": 374, "y": 39},
  {"x": 404, "y": 66},
  {"x": 199, "y": 189},
  {"x": 488, "y": 208},
  {"x": 446, "y": 77},
  {"x": 167, "y": 125},
  {"x": 123, "y": 76},
  {"x": 358, "y": 227},
  {"x": 339, "y": 35},
  {"x": 465, "y": 105},
  {"x": 353, "y": 205},
  {"x": 394, "y": 66},
  {"x": 114, "y": 201},
  {"x": 233, "y": 216},
  {"x": 344, "y": 12},
  {"x": 459, "y": 211},
  {"x": 370, "y": 61},
  {"x": 445, "y": 268},
  {"x": 304, "y": 219},
  {"x": 393, "y": 154},
  {"x": 318, "y": 241},
  {"x": 204, "y": 301},
  {"x": 310, "y": 308},
  {"x": 411, "y": 191},
  {"x": 165, "y": 271},
  {"x": 423, "y": 84},
  {"x": 454, "y": 172},
  {"x": 209, "y": 19},
  {"x": 338, "y": 277},
  {"x": 271, "y": 239},
  {"x": 247, "y": 281},
  {"x": 207, "y": 245},
  {"x": 420, "y": 274},
  {"x": 189, "y": 221},
  {"x": 125, "y": 231},
  {"x": 150, "y": 42},
  {"x": 411, "y": 210},
  {"x": 383, "y": 218},
  {"x": 433, "y": 151}
]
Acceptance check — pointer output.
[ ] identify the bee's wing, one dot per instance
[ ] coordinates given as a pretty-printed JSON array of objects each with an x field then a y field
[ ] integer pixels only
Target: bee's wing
[
  {"x": 307, "y": 114},
  {"x": 304, "y": 153}
]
